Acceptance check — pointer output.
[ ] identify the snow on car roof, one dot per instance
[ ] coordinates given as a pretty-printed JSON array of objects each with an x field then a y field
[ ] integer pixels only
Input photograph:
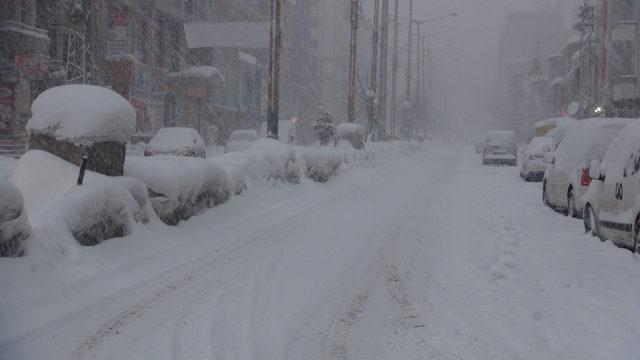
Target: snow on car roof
[
  {"x": 84, "y": 114},
  {"x": 175, "y": 138},
  {"x": 623, "y": 147},
  {"x": 501, "y": 137},
  {"x": 588, "y": 140}
]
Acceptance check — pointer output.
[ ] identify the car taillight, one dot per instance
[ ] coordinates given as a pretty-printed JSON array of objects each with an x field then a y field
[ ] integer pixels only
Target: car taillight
[{"x": 585, "y": 179}]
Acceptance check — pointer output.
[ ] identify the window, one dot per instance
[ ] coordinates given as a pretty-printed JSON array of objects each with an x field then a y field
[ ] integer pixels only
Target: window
[{"x": 24, "y": 11}]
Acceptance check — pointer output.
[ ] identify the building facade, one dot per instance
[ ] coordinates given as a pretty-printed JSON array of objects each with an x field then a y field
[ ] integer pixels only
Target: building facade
[{"x": 24, "y": 63}]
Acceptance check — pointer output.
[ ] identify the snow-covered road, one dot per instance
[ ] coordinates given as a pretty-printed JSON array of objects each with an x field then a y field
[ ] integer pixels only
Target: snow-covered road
[{"x": 428, "y": 257}]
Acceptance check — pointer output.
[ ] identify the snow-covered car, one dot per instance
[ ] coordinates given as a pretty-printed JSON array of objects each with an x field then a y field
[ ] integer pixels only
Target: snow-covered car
[
  {"x": 241, "y": 140},
  {"x": 479, "y": 144},
  {"x": 566, "y": 178},
  {"x": 500, "y": 148},
  {"x": 179, "y": 141},
  {"x": 287, "y": 132},
  {"x": 532, "y": 167},
  {"x": 612, "y": 204}
]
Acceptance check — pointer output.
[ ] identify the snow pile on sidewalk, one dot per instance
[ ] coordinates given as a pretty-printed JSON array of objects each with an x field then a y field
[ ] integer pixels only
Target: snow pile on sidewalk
[
  {"x": 322, "y": 162},
  {"x": 101, "y": 209},
  {"x": 265, "y": 160},
  {"x": 84, "y": 114},
  {"x": 14, "y": 227},
  {"x": 180, "y": 187}
]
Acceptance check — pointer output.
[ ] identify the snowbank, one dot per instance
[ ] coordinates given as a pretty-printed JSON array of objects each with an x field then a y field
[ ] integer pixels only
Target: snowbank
[
  {"x": 82, "y": 114},
  {"x": 181, "y": 141},
  {"x": 14, "y": 227},
  {"x": 354, "y": 133},
  {"x": 101, "y": 209},
  {"x": 264, "y": 160},
  {"x": 180, "y": 187}
]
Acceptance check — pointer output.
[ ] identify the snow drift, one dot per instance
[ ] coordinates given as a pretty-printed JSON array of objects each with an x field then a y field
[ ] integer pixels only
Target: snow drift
[
  {"x": 14, "y": 227},
  {"x": 101, "y": 209},
  {"x": 180, "y": 187}
]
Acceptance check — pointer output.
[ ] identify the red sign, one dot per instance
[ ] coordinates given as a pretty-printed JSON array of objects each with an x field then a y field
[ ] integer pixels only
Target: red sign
[{"x": 32, "y": 65}]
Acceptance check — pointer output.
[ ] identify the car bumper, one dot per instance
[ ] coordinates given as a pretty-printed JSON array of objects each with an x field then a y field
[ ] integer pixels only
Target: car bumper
[{"x": 488, "y": 160}]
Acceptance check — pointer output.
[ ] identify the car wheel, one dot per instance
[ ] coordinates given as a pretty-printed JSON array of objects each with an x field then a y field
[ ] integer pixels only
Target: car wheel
[
  {"x": 590, "y": 221},
  {"x": 572, "y": 211},
  {"x": 545, "y": 195}
]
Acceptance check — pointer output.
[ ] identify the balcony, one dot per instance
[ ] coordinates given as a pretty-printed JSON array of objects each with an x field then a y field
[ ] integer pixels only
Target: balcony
[
  {"x": 624, "y": 31},
  {"x": 624, "y": 88}
]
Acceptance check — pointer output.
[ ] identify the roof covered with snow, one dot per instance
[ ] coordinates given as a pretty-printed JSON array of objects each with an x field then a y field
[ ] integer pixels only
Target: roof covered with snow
[
  {"x": 83, "y": 114},
  {"x": 199, "y": 72}
]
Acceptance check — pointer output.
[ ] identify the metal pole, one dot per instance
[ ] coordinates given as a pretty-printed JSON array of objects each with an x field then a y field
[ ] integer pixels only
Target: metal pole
[
  {"x": 275, "y": 45},
  {"x": 394, "y": 65},
  {"x": 418, "y": 57},
  {"x": 374, "y": 67},
  {"x": 353, "y": 53},
  {"x": 384, "y": 61},
  {"x": 410, "y": 50}
]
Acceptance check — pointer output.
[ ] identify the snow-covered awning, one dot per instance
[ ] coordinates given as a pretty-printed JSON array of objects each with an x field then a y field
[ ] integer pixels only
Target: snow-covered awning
[{"x": 199, "y": 72}]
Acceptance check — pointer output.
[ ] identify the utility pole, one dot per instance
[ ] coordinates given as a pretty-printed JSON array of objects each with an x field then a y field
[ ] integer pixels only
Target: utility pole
[
  {"x": 394, "y": 71},
  {"x": 426, "y": 62},
  {"x": 371, "y": 98},
  {"x": 418, "y": 59},
  {"x": 275, "y": 45},
  {"x": 410, "y": 49},
  {"x": 384, "y": 61},
  {"x": 353, "y": 53}
]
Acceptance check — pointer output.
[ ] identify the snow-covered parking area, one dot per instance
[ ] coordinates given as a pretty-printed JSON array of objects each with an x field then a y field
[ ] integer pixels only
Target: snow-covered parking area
[{"x": 428, "y": 256}]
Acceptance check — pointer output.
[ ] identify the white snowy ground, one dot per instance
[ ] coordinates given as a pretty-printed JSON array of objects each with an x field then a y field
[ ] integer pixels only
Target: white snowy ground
[{"x": 428, "y": 257}]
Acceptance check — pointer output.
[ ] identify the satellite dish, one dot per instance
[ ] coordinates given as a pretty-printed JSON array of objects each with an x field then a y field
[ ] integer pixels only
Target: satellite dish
[{"x": 573, "y": 108}]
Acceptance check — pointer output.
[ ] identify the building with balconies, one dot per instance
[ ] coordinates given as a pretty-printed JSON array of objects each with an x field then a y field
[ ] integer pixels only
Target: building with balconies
[{"x": 619, "y": 64}]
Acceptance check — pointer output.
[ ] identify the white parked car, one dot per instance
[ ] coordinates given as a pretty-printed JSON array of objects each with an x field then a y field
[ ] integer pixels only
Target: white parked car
[
  {"x": 179, "y": 141},
  {"x": 566, "y": 179},
  {"x": 241, "y": 140},
  {"x": 500, "y": 148},
  {"x": 532, "y": 167},
  {"x": 612, "y": 209}
]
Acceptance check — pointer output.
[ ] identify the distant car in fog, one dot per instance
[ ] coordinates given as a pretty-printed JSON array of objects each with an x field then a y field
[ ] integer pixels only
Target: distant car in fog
[
  {"x": 567, "y": 176},
  {"x": 612, "y": 205},
  {"x": 179, "y": 141},
  {"x": 500, "y": 148},
  {"x": 532, "y": 167},
  {"x": 241, "y": 140}
]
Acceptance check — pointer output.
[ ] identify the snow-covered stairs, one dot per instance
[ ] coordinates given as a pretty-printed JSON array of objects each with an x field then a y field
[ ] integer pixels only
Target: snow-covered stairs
[{"x": 12, "y": 145}]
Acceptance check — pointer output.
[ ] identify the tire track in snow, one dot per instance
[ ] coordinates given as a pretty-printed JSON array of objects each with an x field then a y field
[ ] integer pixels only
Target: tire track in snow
[
  {"x": 89, "y": 346},
  {"x": 114, "y": 326}
]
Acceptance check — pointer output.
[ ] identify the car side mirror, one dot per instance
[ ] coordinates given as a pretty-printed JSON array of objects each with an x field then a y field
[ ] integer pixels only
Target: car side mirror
[
  {"x": 549, "y": 158},
  {"x": 595, "y": 171}
]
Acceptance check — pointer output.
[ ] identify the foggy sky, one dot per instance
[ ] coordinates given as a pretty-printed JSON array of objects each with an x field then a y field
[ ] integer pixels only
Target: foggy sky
[{"x": 473, "y": 78}]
